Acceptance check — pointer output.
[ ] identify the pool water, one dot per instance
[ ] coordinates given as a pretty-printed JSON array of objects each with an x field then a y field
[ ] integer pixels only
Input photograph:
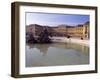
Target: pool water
[{"x": 56, "y": 54}]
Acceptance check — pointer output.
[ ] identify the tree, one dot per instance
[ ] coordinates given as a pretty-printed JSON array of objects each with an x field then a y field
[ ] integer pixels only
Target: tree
[
  {"x": 44, "y": 37},
  {"x": 30, "y": 38}
]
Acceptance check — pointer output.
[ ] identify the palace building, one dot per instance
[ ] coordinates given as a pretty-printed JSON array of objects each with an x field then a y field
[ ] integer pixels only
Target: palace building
[{"x": 78, "y": 31}]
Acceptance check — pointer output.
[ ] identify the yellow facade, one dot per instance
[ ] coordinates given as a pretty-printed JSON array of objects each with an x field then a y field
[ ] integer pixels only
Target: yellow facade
[{"x": 78, "y": 31}]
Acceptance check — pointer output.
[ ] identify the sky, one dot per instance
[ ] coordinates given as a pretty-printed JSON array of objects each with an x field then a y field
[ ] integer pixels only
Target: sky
[{"x": 52, "y": 19}]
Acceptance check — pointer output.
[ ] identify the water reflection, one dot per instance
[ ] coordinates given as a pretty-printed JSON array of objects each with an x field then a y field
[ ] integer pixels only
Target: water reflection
[{"x": 56, "y": 54}]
